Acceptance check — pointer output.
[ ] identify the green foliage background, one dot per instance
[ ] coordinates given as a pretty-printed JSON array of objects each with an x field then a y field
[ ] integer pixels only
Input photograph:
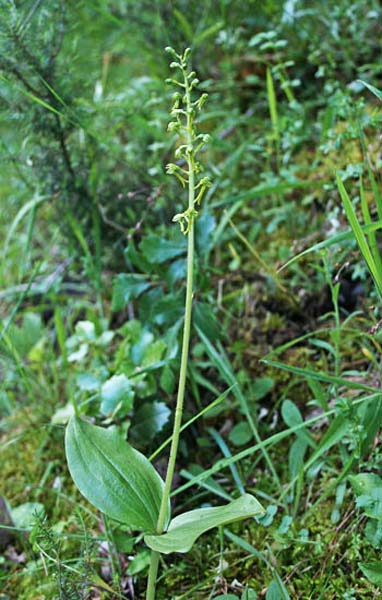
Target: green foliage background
[{"x": 92, "y": 273}]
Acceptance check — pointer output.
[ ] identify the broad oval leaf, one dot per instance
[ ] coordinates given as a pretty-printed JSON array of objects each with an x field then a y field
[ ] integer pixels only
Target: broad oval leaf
[
  {"x": 113, "y": 476},
  {"x": 184, "y": 530}
]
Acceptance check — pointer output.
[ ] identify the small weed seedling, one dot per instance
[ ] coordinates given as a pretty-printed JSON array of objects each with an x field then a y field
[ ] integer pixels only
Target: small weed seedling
[{"x": 117, "y": 479}]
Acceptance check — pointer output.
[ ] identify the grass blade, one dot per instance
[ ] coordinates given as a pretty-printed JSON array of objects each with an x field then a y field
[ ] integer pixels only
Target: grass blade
[
  {"x": 271, "y": 441},
  {"x": 371, "y": 235},
  {"x": 213, "y": 404},
  {"x": 332, "y": 241},
  {"x": 226, "y": 451},
  {"x": 308, "y": 373},
  {"x": 222, "y": 364},
  {"x": 359, "y": 236}
]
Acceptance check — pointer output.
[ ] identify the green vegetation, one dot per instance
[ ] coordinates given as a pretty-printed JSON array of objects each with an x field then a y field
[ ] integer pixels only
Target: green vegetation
[{"x": 268, "y": 385}]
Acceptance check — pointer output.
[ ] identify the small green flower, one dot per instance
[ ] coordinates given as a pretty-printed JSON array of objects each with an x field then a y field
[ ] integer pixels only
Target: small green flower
[{"x": 184, "y": 110}]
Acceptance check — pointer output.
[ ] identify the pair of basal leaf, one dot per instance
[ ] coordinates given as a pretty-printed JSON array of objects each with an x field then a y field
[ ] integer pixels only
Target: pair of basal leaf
[{"x": 121, "y": 482}]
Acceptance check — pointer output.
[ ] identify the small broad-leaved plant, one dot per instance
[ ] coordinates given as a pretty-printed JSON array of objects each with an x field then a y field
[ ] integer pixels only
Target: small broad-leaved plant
[{"x": 117, "y": 479}]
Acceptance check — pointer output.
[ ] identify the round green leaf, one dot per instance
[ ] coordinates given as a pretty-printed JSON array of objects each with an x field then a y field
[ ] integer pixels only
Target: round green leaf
[
  {"x": 241, "y": 434},
  {"x": 156, "y": 249},
  {"x": 24, "y": 516},
  {"x": 126, "y": 287},
  {"x": 373, "y": 571},
  {"x": 116, "y": 391},
  {"x": 113, "y": 476},
  {"x": 148, "y": 420},
  {"x": 365, "y": 483}
]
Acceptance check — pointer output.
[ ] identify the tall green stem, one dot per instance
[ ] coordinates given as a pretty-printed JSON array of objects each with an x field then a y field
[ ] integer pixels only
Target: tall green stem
[
  {"x": 153, "y": 572},
  {"x": 185, "y": 349}
]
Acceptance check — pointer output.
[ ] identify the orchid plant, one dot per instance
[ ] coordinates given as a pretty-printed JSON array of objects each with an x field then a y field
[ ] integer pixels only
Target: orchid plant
[{"x": 117, "y": 479}]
